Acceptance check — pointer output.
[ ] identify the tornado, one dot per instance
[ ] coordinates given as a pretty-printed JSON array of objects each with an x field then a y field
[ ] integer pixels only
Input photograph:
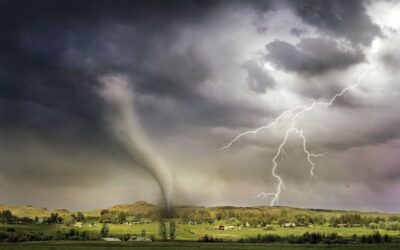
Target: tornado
[{"x": 124, "y": 125}]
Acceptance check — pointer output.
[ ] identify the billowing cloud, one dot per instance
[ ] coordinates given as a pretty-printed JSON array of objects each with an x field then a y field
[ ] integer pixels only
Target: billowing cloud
[
  {"x": 312, "y": 56},
  {"x": 201, "y": 72},
  {"x": 258, "y": 79},
  {"x": 339, "y": 18}
]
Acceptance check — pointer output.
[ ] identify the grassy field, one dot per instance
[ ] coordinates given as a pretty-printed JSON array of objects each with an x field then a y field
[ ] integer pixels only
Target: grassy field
[
  {"x": 183, "y": 246},
  {"x": 187, "y": 236},
  {"x": 194, "y": 232}
]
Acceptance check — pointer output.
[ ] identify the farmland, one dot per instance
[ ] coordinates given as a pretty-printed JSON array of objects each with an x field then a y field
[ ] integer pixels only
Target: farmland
[
  {"x": 232, "y": 227},
  {"x": 183, "y": 246},
  {"x": 194, "y": 232}
]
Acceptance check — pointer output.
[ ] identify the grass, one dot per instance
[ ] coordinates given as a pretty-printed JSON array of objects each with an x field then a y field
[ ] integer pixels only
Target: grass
[
  {"x": 194, "y": 232},
  {"x": 183, "y": 246},
  {"x": 188, "y": 235}
]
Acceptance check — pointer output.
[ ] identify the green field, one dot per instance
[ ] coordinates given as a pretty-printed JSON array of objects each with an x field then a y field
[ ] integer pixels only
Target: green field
[
  {"x": 183, "y": 246},
  {"x": 194, "y": 232},
  {"x": 193, "y": 223}
]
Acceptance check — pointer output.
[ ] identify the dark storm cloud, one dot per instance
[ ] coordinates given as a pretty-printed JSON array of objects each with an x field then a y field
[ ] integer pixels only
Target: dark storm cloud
[
  {"x": 312, "y": 56},
  {"x": 342, "y": 18},
  {"x": 55, "y": 51},
  {"x": 191, "y": 65},
  {"x": 53, "y": 54},
  {"x": 297, "y": 32},
  {"x": 258, "y": 79}
]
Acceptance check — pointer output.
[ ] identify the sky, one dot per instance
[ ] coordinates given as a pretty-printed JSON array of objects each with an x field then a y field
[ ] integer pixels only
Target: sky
[{"x": 107, "y": 102}]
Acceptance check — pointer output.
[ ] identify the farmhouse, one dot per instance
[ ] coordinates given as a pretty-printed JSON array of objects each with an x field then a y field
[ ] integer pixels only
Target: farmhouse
[
  {"x": 223, "y": 227},
  {"x": 140, "y": 239},
  {"x": 110, "y": 239},
  {"x": 192, "y": 222},
  {"x": 78, "y": 224},
  {"x": 268, "y": 227},
  {"x": 289, "y": 224}
]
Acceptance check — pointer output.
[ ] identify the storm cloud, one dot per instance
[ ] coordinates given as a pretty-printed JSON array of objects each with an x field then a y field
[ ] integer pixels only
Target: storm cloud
[
  {"x": 312, "y": 56},
  {"x": 201, "y": 72},
  {"x": 258, "y": 78},
  {"x": 339, "y": 18}
]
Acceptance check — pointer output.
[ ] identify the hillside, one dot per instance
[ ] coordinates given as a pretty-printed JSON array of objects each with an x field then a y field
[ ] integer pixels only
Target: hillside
[
  {"x": 142, "y": 207},
  {"x": 31, "y": 211}
]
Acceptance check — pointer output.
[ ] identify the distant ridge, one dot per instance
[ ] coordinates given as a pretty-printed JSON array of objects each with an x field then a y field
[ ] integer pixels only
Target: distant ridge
[{"x": 144, "y": 207}]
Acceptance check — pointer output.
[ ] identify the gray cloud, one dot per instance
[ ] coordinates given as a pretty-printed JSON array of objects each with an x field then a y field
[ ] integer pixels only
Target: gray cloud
[
  {"x": 258, "y": 79},
  {"x": 191, "y": 65},
  {"x": 297, "y": 32},
  {"x": 312, "y": 56},
  {"x": 342, "y": 18}
]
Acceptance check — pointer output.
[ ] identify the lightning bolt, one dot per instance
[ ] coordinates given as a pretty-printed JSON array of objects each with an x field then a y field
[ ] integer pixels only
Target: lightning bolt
[{"x": 291, "y": 115}]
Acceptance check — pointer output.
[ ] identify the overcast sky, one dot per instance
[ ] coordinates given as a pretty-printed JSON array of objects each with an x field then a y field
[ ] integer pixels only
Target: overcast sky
[{"x": 196, "y": 74}]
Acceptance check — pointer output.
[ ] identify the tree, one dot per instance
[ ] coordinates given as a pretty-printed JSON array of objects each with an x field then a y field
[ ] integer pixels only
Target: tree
[
  {"x": 54, "y": 218},
  {"x": 138, "y": 217},
  {"x": 6, "y": 216},
  {"x": 80, "y": 217},
  {"x": 121, "y": 218},
  {"x": 163, "y": 231},
  {"x": 70, "y": 220},
  {"x": 172, "y": 230},
  {"x": 104, "y": 230},
  {"x": 143, "y": 233}
]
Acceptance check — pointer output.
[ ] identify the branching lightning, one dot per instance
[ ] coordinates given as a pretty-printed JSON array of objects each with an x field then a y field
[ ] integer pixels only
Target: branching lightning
[{"x": 291, "y": 116}]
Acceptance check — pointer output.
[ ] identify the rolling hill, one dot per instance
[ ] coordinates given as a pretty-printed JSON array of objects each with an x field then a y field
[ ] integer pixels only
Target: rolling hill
[{"x": 143, "y": 207}]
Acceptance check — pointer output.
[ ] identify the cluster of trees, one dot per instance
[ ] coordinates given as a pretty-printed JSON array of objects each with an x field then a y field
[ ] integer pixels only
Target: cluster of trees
[
  {"x": 73, "y": 234},
  {"x": 255, "y": 219},
  {"x": 317, "y": 238},
  {"x": 348, "y": 219},
  {"x": 198, "y": 216},
  {"x": 387, "y": 225},
  {"x": 210, "y": 238},
  {"x": 54, "y": 218},
  {"x": 107, "y": 216},
  {"x": 167, "y": 232},
  {"x": 6, "y": 217},
  {"x": 73, "y": 218},
  {"x": 11, "y": 235},
  {"x": 391, "y": 223},
  {"x": 306, "y": 219}
]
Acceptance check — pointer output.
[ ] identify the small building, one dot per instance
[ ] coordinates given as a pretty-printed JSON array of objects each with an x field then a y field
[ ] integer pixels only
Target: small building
[
  {"x": 289, "y": 224},
  {"x": 268, "y": 227},
  {"x": 140, "y": 239},
  {"x": 78, "y": 224},
  {"x": 110, "y": 239}
]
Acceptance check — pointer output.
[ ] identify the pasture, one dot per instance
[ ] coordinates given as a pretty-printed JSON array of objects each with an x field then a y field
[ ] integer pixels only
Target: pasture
[
  {"x": 187, "y": 232},
  {"x": 182, "y": 246}
]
